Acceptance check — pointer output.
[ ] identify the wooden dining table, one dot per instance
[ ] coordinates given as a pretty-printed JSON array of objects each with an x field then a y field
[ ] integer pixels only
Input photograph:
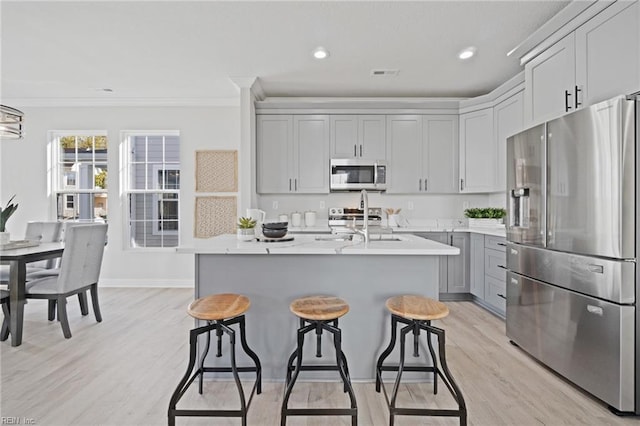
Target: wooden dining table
[{"x": 17, "y": 259}]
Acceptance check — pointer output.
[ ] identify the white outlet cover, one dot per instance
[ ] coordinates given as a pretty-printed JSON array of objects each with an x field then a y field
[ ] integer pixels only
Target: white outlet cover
[{"x": 274, "y": 206}]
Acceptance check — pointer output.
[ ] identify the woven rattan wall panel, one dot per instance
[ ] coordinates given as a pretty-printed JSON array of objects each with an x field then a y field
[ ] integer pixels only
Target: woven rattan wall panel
[
  {"x": 215, "y": 216},
  {"x": 216, "y": 171}
]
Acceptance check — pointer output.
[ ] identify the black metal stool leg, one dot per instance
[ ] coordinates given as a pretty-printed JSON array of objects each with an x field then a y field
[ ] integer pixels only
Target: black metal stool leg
[
  {"x": 403, "y": 334},
  {"x": 337, "y": 341},
  {"x": 252, "y": 355},
  {"x": 434, "y": 359},
  {"x": 386, "y": 352},
  {"x": 296, "y": 371},
  {"x": 234, "y": 371},
  {"x": 182, "y": 385},
  {"x": 204, "y": 355}
]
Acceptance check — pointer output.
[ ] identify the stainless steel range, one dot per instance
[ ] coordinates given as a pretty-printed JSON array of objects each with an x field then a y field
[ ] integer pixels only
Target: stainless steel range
[
  {"x": 346, "y": 219},
  {"x": 572, "y": 284}
]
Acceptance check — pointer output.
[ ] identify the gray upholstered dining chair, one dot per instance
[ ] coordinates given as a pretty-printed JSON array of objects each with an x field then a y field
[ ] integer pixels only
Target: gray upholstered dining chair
[
  {"x": 79, "y": 272},
  {"x": 45, "y": 232}
]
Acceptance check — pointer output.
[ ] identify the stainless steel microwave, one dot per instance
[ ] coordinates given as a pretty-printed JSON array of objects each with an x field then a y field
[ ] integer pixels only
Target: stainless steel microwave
[{"x": 350, "y": 174}]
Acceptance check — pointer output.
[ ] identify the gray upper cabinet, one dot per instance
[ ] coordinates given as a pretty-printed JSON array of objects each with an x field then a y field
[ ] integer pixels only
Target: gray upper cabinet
[
  {"x": 358, "y": 136},
  {"x": 440, "y": 154},
  {"x": 404, "y": 148},
  {"x": 477, "y": 151},
  {"x": 549, "y": 82},
  {"x": 422, "y": 153},
  {"x": 597, "y": 61},
  {"x": 508, "y": 118},
  {"x": 608, "y": 53},
  {"x": 292, "y": 154}
]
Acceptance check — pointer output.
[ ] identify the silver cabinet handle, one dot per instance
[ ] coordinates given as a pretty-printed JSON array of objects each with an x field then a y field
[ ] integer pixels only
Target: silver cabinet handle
[
  {"x": 419, "y": 184},
  {"x": 295, "y": 181},
  {"x": 502, "y": 244},
  {"x": 425, "y": 185},
  {"x": 289, "y": 184},
  {"x": 577, "y": 103},
  {"x": 451, "y": 239},
  {"x": 501, "y": 295},
  {"x": 355, "y": 152},
  {"x": 461, "y": 184},
  {"x": 360, "y": 150},
  {"x": 501, "y": 266}
]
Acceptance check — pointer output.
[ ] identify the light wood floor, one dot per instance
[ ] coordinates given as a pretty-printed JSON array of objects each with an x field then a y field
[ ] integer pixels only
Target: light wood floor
[{"x": 123, "y": 371}]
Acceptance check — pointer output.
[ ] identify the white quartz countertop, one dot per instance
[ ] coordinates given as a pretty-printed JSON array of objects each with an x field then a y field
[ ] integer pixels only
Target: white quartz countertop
[
  {"x": 404, "y": 244},
  {"x": 419, "y": 226}
]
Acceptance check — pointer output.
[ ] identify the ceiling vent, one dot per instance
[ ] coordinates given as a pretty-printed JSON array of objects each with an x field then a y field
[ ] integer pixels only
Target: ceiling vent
[{"x": 384, "y": 73}]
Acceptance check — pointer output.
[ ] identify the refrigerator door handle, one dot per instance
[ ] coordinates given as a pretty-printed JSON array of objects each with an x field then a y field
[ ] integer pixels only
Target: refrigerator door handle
[{"x": 596, "y": 310}]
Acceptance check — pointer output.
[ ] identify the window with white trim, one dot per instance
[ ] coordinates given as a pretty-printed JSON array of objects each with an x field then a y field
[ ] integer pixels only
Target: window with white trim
[
  {"x": 79, "y": 174},
  {"x": 152, "y": 187}
]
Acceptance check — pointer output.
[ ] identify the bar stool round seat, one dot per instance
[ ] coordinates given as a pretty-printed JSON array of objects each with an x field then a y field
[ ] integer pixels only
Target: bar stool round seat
[
  {"x": 219, "y": 306},
  {"x": 219, "y": 312},
  {"x": 319, "y": 308},
  {"x": 417, "y": 307},
  {"x": 318, "y": 314},
  {"x": 414, "y": 315}
]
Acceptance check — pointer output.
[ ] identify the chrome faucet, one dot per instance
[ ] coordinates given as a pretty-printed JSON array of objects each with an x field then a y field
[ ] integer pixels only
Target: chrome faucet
[{"x": 364, "y": 205}]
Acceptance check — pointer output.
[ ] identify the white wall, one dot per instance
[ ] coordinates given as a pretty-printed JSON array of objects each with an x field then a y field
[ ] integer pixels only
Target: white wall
[{"x": 23, "y": 171}]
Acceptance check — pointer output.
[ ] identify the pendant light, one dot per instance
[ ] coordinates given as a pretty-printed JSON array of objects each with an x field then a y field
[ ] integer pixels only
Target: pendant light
[{"x": 11, "y": 123}]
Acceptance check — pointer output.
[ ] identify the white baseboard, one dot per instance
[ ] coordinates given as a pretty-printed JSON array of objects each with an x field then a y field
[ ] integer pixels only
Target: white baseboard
[{"x": 143, "y": 282}]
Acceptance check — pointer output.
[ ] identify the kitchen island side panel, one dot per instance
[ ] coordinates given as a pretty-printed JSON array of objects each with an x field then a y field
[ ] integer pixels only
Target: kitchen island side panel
[{"x": 273, "y": 281}]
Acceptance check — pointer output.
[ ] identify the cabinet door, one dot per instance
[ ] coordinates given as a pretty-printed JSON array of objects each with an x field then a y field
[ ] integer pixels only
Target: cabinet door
[
  {"x": 344, "y": 136},
  {"x": 404, "y": 153},
  {"x": 509, "y": 120},
  {"x": 477, "y": 151},
  {"x": 476, "y": 265},
  {"x": 547, "y": 77},
  {"x": 372, "y": 137},
  {"x": 608, "y": 53},
  {"x": 274, "y": 136},
  {"x": 458, "y": 266},
  {"x": 311, "y": 154},
  {"x": 440, "y": 159},
  {"x": 440, "y": 237}
]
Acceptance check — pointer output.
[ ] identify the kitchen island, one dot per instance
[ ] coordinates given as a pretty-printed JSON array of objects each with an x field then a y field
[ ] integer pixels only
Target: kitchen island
[{"x": 274, "y": 274}]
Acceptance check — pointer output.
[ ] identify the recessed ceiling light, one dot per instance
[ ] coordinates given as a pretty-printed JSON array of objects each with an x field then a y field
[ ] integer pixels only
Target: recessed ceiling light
[
  {"x": 467, "y": 52},
  {"x": 320, "y": 53}
]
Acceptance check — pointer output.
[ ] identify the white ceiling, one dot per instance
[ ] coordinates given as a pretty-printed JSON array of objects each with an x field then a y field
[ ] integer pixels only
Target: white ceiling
[{"x": 190, "y": 50}]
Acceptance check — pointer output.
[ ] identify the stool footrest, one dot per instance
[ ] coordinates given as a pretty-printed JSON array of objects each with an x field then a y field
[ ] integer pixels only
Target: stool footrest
[
  {"x": 320, "y": 412},
  {"x": 424, "y": 412},
  {"x": 412, "y": 368},
  {"x": 229, "y": 370},
  {"x": 315, "y": 368},
  {"x": 207, "y": 413}
]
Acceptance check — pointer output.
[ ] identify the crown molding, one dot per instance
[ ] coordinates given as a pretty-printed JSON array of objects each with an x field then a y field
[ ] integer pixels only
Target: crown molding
[{"x": 123, "y": 102}]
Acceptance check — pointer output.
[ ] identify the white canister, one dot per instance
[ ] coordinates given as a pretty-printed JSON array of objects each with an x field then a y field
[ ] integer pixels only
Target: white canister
[
  {"x": 309, "y": 218},
  {"x": 296, "y": 219},
  {"x": 283, "y": 218}
]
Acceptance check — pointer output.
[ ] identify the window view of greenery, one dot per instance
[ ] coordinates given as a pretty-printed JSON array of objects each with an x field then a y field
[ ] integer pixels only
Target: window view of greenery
[{"x": 82, "y": 171}]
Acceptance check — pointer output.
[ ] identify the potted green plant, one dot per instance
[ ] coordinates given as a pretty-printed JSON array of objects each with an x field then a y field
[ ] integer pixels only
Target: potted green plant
[
  {"x": 246, "y": 229},
  {"x": 5, "y": 214},
  {"x": 485, "y": 216}
]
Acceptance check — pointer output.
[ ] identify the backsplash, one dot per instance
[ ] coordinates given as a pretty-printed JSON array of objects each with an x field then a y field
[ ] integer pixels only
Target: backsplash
[{"x": 417, "y": 207}]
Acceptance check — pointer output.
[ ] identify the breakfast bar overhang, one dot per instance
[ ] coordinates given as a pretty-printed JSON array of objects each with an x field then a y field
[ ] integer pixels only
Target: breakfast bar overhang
[{"x": 274, "y": 274}]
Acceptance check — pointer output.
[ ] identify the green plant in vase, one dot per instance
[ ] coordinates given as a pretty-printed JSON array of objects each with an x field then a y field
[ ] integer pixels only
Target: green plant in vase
[
  {"x": 5, "y": 214},
  {"x": 246, "y": 229}
]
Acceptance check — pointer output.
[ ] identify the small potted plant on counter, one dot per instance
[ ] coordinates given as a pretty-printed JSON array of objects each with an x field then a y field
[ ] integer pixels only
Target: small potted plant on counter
[
  {"x": 5, "y": 214},
  {"x": 246, "y": 229},
  {"x": 485, "y": 217}
]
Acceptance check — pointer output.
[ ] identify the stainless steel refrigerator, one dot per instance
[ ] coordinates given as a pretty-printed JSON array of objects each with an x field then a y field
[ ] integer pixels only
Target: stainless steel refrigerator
[{"x": 572, "y": 284}]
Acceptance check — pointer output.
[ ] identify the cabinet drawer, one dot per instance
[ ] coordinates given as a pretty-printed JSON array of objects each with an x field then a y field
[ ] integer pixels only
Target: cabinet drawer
[
  {"x": 495, "y": 262},
  {"x": 496, "y": 243},
  {"x": 495, "y": 293}
]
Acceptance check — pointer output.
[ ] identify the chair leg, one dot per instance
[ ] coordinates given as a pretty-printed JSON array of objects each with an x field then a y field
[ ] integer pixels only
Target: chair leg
[
  {"x": 94, "y": 301},
  {"x": 52, "y": 309},
  {"x": 4, "y": 334},
  {"x": 62, "y": 316},
  {"x": 82, "y": 298}
]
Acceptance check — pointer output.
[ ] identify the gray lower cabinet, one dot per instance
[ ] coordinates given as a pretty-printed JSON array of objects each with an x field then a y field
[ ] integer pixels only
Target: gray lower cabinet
[
  {"x": 454, "y": 270},
  {"x": 488, "y": 271}
]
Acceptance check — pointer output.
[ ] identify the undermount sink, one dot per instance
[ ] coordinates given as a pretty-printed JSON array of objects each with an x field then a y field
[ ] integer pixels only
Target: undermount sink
[{"x": 347, "y": 237}]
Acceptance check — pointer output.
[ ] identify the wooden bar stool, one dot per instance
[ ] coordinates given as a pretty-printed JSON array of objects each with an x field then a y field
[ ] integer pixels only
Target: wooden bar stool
[
  {"x": 220, "y": 311},
  {"x": 319, "y": 313},
  {"x": 417, "y": 312}
]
